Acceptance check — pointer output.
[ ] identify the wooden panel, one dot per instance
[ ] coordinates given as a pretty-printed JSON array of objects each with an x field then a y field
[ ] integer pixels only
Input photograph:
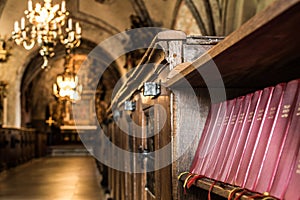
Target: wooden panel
[
  {"x": 124, "y": 188},
  {"x": 164, "y": 138},
  {"x": 138, "y": 144},
  {"x": 189, "y": 116},
  {"x": 152, "y": 178},
  {"x": 158, "y": 182},
  {"x": 5, "y": 148},
  {"x": 128, "y": 191},
  {"x": 114, "y": 172},
  {"x": 18, "y": 146},
  {"x": 110, "y": 170}
]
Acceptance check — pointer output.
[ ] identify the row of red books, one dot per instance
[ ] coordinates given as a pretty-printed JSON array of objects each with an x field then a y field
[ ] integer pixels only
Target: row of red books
[{"x": 253, "y": 142}]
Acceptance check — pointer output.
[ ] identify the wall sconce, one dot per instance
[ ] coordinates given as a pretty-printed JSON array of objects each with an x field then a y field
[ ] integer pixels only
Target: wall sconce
[
  {"x": 151, "y": 89},
  {"x": 3, "y": 50}
]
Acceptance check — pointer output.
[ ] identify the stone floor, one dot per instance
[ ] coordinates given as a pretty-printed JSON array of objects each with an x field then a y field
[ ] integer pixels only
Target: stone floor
[{"x": 52, "y": 178}]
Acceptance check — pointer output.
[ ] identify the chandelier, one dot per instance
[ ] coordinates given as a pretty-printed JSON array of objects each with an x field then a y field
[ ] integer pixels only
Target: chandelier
[
  {"x": 67, "y": 84},
  {"x": 46, "y": 26}
]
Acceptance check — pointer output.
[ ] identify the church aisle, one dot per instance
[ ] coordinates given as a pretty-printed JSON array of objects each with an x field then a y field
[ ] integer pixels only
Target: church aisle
[{"x": 52, "y": 178}]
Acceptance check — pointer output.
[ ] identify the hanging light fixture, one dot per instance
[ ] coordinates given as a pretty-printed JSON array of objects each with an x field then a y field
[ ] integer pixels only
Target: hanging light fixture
[
  {"x": 67, "y": 84},
  {"x": 70, "y": 37},
  {"x": 46, "y": 26}
]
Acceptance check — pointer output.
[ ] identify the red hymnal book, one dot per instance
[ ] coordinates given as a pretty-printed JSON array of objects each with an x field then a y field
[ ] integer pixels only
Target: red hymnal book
[
  {"x": 277, "y": 137},
  {"x": 222, "y": 125},
  {"x": 206, "y": 149},
  {"x": 259, "y": 148},
  {"x": 234, "y": 138},
  {"x": 251, "y": 137},
  {"x": 208, "y": 127},
  {"x": 204, "y": 132},
  {"x": 252, "y": 109},
  {"x": 289, "y": 149},
  {"x": 213, "y": 135},
  {"x": 226, "y": 138},
  {"x": 292, "y": 190}
]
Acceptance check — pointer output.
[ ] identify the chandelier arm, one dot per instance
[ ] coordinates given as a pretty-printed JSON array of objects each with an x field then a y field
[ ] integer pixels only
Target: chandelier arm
[
  {"x": 45, "y": 63},
  {"x": 18, "y": 40},
  {"x": 27, "y": 45},
  {"x": 63, "y": 41},
  {"x": 78, "y": 43}
]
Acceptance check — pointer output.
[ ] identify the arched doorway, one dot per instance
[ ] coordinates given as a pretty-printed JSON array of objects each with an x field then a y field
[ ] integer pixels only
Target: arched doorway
[{"x": 38, "y": 103}]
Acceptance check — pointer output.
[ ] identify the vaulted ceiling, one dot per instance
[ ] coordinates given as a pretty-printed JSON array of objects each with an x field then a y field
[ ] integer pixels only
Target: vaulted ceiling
[{"x": 101, "y": 19}]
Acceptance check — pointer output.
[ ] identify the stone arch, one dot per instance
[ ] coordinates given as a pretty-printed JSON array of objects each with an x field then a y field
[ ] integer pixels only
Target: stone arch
[{"x": 36, "y": 83}]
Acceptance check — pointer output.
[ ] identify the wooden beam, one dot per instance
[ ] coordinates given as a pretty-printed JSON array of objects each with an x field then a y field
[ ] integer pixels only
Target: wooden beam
[{"x": 269, "y": 38}]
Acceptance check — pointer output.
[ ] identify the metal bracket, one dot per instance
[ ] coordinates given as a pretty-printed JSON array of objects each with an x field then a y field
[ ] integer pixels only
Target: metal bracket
[
  {"x": 151, "y": 89},
  {"x": 129, "y": 105}
]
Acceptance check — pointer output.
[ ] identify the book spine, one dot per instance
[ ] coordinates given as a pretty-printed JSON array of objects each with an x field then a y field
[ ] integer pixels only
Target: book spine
[
  {"x": 243, "y": 136},
  {"x": 292, "y": 190},
  {"x": 203, "y": 135},
  {"x": 234, "y": 123},
  {"x": 221, "y": 130},
  {"x": 269, "y": 118},
  {"x": 234, "y": 138},
  {"x": 226, "y": 138},
  {"x": 288, "y": 155},
  {"x": 251, "y": 137},
  {"x": 214, "y": 135},
  {"x": 209, "y": 124},
  {"x": 277, "y": 138}
]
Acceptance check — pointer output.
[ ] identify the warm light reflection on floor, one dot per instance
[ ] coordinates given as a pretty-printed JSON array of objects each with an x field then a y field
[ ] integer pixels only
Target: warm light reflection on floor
[{"x": 56, "y": 178}]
